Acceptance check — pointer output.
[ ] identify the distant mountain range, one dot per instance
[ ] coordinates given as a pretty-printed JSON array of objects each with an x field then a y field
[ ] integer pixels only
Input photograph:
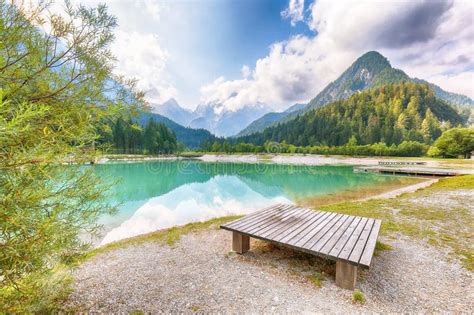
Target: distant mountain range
[
  {"x": 368, "y": 71},
  {"x": 191, "y": 138},
  {"x": 213, "y": 116},
  {"x": 223, "y": 122}
]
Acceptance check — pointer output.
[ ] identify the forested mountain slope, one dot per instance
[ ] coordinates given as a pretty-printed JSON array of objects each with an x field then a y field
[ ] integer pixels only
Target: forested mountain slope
[{"x": 391, "y": 113}]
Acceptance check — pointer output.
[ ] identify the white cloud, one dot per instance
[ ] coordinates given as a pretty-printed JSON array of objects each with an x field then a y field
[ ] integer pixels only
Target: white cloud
[
  {"x": 292, "y": 73},
  {"x": 425, "y": 39},
  {"x": 142, "y": 9},
  {"x": 138, "y": 50},
  {"x": 224, "y": 92},
  {"x": 140, "y": 56},
  {"x": 153, "y": 7},
  {"x": 245, "y": 70},
  {"x": 294, "y": 12}
]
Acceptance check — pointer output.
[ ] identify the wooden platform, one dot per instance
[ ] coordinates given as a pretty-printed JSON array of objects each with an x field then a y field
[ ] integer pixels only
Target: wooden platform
[
  {"x": 402, "y": 163},
  {"x": 424, "y": 171},
  {"x": 349, "y": 240}
]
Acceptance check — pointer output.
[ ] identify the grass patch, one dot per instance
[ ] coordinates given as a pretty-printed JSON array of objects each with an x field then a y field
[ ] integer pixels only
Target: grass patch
[
  {"x": 358, "y": 297},
  {"x": 425, "y": 213},
  {"x": 317, "y": 279},
  {"x": 456, "y": 182},
  {"x": 230, "y": 254},
  {"x": 196, "y": 308},
  {"x": 467, "y": 259},
  {"x": 374, "y": 208},
  {"x": 167, "y": 236},
  {"x": 379, "y": 246},
  {"x": 378, "y": 209}
]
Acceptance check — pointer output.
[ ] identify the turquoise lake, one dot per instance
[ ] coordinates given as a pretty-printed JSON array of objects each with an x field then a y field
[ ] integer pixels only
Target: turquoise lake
[{"x": 161, "y": 194}]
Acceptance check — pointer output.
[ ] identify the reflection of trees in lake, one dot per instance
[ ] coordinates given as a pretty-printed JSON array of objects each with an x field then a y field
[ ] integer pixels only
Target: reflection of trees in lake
[{"x": 141, "y": 181}]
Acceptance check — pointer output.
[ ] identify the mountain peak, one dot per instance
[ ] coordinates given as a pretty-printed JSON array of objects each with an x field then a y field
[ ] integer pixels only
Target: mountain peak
[
  {"x": 363, "y": 73},
  {"x": 171, "y": 109},
  {"x": 170, "y": 102},
  {"x": 372, "y": 61},
  {"x": 373, "y": 55}
]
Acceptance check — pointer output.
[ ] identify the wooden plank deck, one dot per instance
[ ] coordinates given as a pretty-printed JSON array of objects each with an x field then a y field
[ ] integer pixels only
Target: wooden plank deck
[
  {"x": 424, "y": 171},
  {"x": 335, "y": 236}
]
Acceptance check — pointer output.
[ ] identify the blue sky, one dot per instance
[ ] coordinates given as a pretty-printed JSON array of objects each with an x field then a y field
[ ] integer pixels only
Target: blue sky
[
  {"x": 219, "y": 37},
  {"x": 280, "y": 52}
]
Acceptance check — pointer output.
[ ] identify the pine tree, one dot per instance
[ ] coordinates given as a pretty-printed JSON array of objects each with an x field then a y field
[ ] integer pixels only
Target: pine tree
[{"x": 430, "y": 127}]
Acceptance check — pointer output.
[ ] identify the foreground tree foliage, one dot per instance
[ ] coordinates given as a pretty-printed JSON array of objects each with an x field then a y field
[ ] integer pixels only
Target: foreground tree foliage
[
  {"x": 56, "y": 89},
  {"x": 389, "y": 114}
]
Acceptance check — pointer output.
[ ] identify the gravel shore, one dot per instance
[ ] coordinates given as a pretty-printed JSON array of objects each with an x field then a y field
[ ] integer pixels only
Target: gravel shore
[{"x": 200, "y": 274}]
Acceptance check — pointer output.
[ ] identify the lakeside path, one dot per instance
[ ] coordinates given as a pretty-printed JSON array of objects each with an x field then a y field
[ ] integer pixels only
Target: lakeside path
[{"x": 429, "y": 267}]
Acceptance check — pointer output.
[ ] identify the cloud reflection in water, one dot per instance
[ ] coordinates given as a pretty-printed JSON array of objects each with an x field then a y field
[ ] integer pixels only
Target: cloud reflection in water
[{"x": 220, "y": 196}]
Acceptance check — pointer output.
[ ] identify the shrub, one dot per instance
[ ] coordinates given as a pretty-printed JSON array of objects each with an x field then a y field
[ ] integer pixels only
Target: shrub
[
  {"x": 358, "y": 297},
  {"x": 317, "y": 279}
]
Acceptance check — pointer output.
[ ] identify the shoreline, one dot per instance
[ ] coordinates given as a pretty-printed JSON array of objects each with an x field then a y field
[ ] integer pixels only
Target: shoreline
[
  {"x": 402, "y": 190},
  {"x": 293, "y": 159}
]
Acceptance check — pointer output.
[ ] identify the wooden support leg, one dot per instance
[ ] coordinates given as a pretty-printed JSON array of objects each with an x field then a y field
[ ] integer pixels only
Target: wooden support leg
[
  {"x": 346, "y": 275},
  {"x": 240, "y": 243}
]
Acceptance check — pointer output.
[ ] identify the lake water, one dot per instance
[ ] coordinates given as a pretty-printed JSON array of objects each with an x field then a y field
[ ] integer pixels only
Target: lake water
[{"x": 161, "y": 194}]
